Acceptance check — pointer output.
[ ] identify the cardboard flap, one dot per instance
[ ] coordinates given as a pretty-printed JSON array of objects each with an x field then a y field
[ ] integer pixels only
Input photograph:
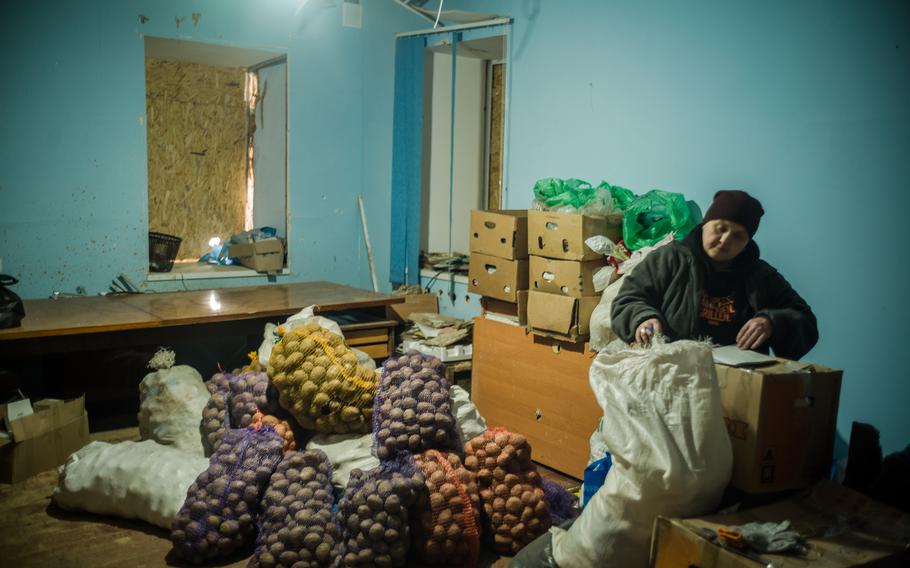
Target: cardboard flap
[
  {"x": 49, "y": 415},
  {"x": 551, "y": 311}
]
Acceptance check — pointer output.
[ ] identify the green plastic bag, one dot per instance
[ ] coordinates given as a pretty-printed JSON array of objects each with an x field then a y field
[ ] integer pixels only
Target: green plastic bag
[
  {"x": 554, "y": 192},
  {"x": 649, "y": 218},
  {"x": 622, "y": 197}
]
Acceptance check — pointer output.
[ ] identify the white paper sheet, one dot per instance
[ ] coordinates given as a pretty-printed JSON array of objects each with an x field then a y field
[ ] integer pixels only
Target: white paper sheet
[{"x": 733, "y": 356}]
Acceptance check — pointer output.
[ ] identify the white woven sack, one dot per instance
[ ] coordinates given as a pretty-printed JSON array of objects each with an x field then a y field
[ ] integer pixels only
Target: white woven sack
[
  {"x": 170, "y": 408},
  {"x": 346, "y": 452},
  {"x": 671, "y": 454},
  {"x": 468, "y": 420},
  {"x": 132, "y": 480}
]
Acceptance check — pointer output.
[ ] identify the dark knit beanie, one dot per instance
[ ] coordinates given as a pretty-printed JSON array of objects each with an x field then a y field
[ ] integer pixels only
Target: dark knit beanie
[{"x": 738, "y": 206}]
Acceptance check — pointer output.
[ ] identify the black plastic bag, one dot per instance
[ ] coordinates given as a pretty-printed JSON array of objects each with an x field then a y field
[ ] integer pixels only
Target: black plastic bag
[{"x": 11, "y": 309}]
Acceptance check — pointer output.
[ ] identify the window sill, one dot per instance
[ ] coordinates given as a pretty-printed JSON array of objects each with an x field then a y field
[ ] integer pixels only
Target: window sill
[
  {"x": 193, "y": 270},
  {"x": 427, "y": 274}
]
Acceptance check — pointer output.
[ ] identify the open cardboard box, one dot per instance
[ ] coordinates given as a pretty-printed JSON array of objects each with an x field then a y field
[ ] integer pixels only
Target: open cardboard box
[
  {"x": 560, "y": 317},
  {"x": 266, "y": 255},
  {"x": 843, "y": 529},
  {"x": 43, "y": 440}
]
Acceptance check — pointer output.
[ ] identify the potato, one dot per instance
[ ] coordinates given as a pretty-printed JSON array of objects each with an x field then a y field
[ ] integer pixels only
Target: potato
[
  {"x": 221, "y": 508},
  {"x": 320, "y": 383},
  {"x": 405, "y": 420},
  {"x": 374, "y": 513},
  {"x": 516, "y": 511},
  {"x": 298, "y": 515},
  {"x": 448, "y": 531}
]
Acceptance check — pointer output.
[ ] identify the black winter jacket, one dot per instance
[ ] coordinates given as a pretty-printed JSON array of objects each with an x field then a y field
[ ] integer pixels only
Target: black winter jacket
[{"x": 667, "y": 285}]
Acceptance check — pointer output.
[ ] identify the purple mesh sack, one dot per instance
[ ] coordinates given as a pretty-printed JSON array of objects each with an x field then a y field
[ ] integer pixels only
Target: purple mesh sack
[
  {"x": 215, "y": 418},
  {"x": 563, "y": 505},
  {"x": 233, "y": 401},
  {"x": 374, "y": 513},
  {"x": 297, "y": 527},
  {"x": 222, "y": 505},
  {"x": 412, "y": 411},
  {"x": 249, "y": 394}
]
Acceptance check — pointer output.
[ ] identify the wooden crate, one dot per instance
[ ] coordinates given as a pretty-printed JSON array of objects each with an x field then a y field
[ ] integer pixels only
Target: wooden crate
[{"x": 537, "y": 387}]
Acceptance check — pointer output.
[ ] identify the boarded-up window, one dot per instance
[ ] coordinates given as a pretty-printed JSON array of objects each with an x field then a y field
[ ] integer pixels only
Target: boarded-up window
[{"x": 197, "y": 151}]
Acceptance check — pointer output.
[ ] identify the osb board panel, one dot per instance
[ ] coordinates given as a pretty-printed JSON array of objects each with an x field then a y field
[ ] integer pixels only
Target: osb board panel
[
  {"x": 197, "y": 149},
  {"x": 497, "y": 115},
  {"x": 520, "y": 382}
]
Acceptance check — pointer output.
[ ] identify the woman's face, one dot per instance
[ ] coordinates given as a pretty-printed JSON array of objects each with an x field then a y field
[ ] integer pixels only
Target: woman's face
[{"x": 723, "y": 240}]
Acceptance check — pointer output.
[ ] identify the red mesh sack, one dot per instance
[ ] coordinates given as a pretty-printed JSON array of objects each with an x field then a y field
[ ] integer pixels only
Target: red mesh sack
[
  {"x": 447, "y": 528},
  {"x": 512, "y": 497}
]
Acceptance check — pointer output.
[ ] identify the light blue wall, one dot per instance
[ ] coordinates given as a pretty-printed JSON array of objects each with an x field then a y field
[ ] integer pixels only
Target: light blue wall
[
  {"x": 806, "y": 104},
  {"x": 73, "y": 205}
]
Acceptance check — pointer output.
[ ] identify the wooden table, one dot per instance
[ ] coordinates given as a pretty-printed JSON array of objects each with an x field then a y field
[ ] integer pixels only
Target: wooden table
[{"x": 77, "y": 323}]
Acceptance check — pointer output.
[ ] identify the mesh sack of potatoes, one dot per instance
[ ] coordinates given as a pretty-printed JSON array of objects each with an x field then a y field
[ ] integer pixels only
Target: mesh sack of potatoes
[
  {"x": 374, "y": 513},
  {"x": 563, "y": 505},
  {"x": 511, "y": 494},
  {"x": 447, "y": 524},
  {"x": 412, "y": 410},
  {"x": 215, "y": 417},
  {"x": 281, "y": 427},
  {"x": 233, "y": 401},
  {"x": 320, "y": 382},
  {"x": 297, "y": 527},
  {"x": 221, "y": 508},
  {"x": 249, "y": 395}
]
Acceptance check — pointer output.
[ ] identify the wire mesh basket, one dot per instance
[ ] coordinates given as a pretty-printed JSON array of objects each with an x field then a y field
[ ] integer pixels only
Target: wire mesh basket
[{"x": 162, "y": 251}]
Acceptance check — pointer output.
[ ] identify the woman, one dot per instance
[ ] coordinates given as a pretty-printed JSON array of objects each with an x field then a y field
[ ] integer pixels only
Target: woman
[{"x": 713, "y": 284}]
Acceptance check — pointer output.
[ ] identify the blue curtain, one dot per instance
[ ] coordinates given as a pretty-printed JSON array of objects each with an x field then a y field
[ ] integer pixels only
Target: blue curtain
[
  {"x": 407, "y": 143},
  {"x": 407, "y": 134}
]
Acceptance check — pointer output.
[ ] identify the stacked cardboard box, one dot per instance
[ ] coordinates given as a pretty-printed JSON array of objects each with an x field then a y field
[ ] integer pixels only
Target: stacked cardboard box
[
  {"x": 562, "y": 267},
  {"x": 499, "y": 260}
]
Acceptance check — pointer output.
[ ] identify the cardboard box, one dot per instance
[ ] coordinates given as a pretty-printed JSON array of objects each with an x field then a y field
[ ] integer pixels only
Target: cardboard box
[
  {"x": 562, "y": 235},
  {"x": 573, "y": 278},
  {"x": 843, "y": 529},
  {"x": 500, "y": 233},
  {"x": 497, "y": 277},
  {"x": 515, "y": 313},
  {"x": 560, "y": 317},
  {"x": 262, "y": 256},
  {"x": 43, "y": 440},
  {"x": 781, "y": 420},
  {"x": 422, "y": 303}
]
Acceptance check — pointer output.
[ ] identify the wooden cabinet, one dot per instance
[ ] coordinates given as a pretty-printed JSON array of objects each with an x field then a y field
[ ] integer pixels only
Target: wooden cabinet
[{"x": 537, "y": 387}]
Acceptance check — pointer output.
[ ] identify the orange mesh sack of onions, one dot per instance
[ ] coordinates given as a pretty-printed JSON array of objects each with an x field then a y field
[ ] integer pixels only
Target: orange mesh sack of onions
[
  {"x": 511, "y": 493},
  {"x": 447, "y": 525},
  {"x": 320, "y": 382}
]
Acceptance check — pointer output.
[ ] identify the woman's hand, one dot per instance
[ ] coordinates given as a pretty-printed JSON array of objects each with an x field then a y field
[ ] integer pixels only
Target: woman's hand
[
  {"x": 646, "y": 330},
  {"x": 755, "y": 333}
]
